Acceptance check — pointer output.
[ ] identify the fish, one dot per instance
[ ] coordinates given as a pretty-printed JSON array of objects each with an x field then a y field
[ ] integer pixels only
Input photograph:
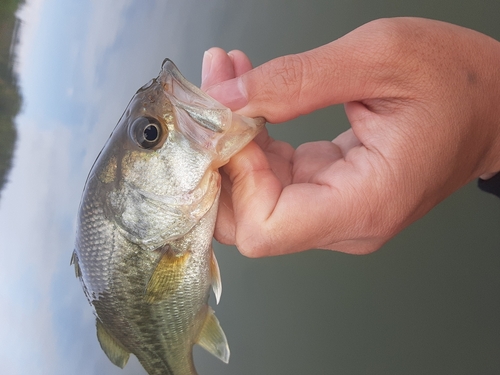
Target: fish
[{"x": 143, "y": 249}]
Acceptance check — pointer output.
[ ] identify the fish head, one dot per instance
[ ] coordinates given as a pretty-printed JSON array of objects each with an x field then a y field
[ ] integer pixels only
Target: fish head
[{"x": 158, "y": 172}]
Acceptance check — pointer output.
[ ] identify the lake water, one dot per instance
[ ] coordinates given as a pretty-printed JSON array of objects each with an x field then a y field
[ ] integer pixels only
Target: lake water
[{"x": 427, "y": 303}]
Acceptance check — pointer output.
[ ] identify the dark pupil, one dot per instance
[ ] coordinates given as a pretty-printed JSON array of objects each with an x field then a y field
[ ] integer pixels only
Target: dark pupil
[
  {"x": 147, "y": 132},
  {"x": 151, "y": 133}
]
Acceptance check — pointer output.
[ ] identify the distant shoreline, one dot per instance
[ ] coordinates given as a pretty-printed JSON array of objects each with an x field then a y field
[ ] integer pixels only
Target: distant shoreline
[
  {"x": 14, "y": 41},
  {"x": 10, "y": 95}
]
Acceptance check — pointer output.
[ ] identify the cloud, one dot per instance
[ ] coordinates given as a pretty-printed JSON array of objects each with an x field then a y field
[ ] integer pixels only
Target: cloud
[
  {"x": 46, "y": 324},
  {"x": 30, "y": 15},
  {"x": 105, "y": 24},
  {"x": 33, "y": 244}
]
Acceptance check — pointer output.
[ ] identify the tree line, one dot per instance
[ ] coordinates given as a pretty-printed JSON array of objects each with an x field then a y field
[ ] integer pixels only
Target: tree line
[{"x": 10, "y": 96}]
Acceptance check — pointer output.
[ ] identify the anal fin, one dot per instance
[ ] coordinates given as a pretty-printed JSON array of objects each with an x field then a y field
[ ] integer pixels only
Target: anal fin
[
  {"x": 213, "y": 339},
  {"x": 113, "y": 349},
  {"x": 215, "y": 277}
]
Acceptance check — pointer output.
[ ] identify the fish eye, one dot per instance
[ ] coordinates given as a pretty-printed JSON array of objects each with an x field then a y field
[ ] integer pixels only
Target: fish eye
[{"x": 147, "y": 132}]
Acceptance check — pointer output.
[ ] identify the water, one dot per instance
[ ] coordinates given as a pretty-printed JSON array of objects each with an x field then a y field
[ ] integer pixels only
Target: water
[{"x": 427, "y": 302}]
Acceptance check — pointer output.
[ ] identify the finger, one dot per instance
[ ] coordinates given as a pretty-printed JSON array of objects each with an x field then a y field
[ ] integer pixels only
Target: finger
[
  {"x": 279, "y": 155},
  {"x": 346, "y": 141},
  {"x": 252, "y": 179},
  {"x": 381, "y": 59},
  {"x": 263, "y": 139},
  {"x": 241, "y": 62},
  {"x": 338, "y": 72},
  {"x": 225, "y": 227},
  {"x": 311, "y": 157},
  {"x": 217, "y": 67}
]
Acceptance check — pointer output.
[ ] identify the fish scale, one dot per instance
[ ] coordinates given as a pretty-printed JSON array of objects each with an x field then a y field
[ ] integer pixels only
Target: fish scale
[{"x": 146, "y": 221}]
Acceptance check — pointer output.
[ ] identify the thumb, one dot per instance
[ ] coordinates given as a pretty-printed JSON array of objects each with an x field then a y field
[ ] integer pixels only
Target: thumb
[{"x": 355, "y": 67}]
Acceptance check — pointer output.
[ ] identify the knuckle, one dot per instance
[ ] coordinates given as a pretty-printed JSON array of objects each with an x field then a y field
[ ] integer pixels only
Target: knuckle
[
  {"x": 223, "y": 237},
  {"x": 251, "y": 242},
  {"x": 395, "y": 52},
  {"x": 289, "y": 71},
  {"x": 285, "y": 77},
  {"x": 392, "y": 34},
  {"x": 248, "y": 247}
]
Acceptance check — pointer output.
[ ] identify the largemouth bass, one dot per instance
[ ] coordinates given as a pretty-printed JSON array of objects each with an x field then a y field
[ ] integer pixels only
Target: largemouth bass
[{"x": 146, "y": 221}]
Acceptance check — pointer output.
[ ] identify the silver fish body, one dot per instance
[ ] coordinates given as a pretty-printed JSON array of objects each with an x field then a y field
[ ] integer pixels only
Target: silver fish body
[{"x": 143, "y": 248}]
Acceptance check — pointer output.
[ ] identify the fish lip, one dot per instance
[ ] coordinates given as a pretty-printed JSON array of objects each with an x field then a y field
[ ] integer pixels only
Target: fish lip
[{"x": 200, "y": 107}]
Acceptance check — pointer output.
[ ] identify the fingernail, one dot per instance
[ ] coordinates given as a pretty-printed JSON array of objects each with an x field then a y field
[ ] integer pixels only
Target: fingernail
[
  {"x": 487, "y": 176},
  {"x": 231, "y": 93},
  {"x": 206, "y": 65}
]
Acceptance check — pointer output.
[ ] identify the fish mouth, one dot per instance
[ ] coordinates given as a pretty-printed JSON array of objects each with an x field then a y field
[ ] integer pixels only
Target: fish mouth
[
  {"x": 202, "y": 119},
  {"x": 186, "y": 97}
]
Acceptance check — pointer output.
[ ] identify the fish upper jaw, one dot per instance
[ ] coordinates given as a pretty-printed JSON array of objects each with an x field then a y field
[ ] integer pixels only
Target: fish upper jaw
[{"x": 205, "y": 121}]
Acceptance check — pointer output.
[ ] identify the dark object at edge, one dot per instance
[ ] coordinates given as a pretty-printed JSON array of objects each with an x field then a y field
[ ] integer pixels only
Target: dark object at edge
[{"x": 491, "y": 185}]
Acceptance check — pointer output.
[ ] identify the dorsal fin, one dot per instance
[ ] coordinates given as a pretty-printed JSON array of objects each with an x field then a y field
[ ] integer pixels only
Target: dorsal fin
[
  {"x": 213, "y": 339},
  {"x": 215, "y": 277},
  {"x": 112, "y": 347}
]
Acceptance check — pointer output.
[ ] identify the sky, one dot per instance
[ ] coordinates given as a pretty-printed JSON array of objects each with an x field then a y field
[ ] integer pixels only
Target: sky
[
  {"x": 80, "y": 62},
  {"x": 37, "y": 212}
]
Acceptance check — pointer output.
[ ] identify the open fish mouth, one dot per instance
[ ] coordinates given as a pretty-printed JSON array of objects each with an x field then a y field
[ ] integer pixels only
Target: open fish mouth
[{"x": 185, "y": 96}]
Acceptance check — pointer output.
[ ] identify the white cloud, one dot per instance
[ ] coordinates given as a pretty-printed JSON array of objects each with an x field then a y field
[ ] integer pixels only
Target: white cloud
[
  {"x": 105, "y": 24},
  {"x": 30, "y": 15},
  {"x": 32, "y": 243}
]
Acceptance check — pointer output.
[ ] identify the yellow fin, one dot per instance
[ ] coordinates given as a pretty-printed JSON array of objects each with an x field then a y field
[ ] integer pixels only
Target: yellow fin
[
  {"x": 215, "y": 277},
  {"x": 213, "y": 339},
  {"x": 74, "y": 261},
  {"x": 113, "y": 349},
  {"x": 166, "y": 277}
]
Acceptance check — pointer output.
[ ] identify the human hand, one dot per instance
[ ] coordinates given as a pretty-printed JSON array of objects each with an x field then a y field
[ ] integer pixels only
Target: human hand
[{"x": 423, "y": 101}]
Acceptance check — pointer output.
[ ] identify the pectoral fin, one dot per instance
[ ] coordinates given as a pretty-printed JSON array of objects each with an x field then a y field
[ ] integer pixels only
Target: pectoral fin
[
  {"x": 213, "y": 339},
  {"x": 215, "y": 277},
  {"x": 166, "y": 277},
  {"x": 113, "y": 349}
]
